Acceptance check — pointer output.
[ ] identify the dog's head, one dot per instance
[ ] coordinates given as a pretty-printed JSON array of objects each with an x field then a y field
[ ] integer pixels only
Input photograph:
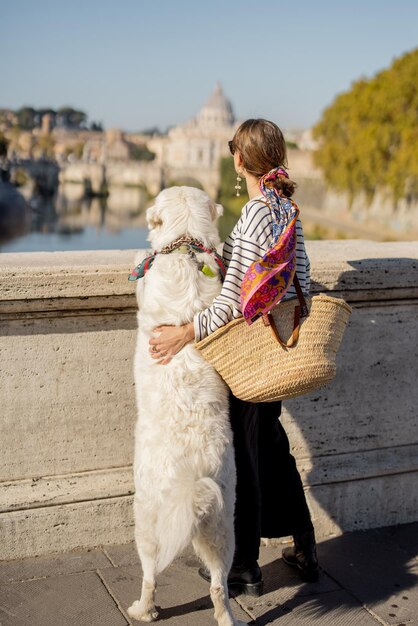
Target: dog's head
[{"x": 182, "y": 211}]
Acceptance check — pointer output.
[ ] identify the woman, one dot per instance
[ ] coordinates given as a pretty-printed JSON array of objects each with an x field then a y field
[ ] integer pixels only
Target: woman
[{"x": 270, "y": 500}]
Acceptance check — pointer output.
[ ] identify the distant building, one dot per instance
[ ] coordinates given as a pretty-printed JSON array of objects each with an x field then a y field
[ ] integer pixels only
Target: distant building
[
  {"x": 302, "y": 138},
  {"x": 47, "y": 123},
  {"x": 116, "y": 147},
  {"x": 191, "y": 152}
]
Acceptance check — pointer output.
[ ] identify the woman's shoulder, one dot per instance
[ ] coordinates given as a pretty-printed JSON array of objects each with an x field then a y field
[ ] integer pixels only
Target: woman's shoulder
[
  {"x": 255, "y": 208},
  {"x": 255, "y": 220}
]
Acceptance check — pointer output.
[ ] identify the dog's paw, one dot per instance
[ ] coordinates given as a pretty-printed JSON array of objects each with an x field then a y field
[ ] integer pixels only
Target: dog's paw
[{"x": 141, "y": 613}]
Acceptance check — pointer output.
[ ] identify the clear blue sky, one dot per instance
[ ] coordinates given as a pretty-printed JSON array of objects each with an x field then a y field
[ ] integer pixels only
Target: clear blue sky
[{"x": 139, "y": 63}]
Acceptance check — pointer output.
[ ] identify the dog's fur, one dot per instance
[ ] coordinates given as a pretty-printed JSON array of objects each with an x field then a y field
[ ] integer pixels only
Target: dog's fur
[{"x": 184, "y": 463}]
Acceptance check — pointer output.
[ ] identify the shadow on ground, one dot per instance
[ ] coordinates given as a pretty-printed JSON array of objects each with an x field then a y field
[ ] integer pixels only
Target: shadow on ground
[{"x": 367, "y": 577}]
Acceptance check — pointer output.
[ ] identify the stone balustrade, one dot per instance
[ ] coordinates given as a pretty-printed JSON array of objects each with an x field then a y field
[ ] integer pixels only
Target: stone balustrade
[{"x": 67, "y": 339}]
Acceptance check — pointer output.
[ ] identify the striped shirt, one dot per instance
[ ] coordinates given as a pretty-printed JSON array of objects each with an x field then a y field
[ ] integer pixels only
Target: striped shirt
[{"x": 250, "y": 239}]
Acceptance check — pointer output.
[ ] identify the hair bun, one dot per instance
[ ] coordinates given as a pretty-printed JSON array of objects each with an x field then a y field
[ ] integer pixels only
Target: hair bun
[{"x": 285, "y": 186}]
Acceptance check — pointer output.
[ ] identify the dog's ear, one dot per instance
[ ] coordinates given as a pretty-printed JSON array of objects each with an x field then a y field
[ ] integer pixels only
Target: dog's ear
[
  {"x": 153, "y": 217},
  {"x": 217, "y": 211}
]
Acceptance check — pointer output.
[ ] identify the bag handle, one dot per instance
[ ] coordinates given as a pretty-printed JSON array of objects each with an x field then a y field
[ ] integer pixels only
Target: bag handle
[{"x": 301, "y": 311}]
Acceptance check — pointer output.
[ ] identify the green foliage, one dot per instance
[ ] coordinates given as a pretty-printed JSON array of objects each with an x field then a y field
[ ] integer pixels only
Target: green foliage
[
  {"x": 45, "y": 146},
  {"x": 72, "y": 118},
  {"x": 227, "y": 196},
  {"x": 141, "y": 153},
  {"x": 96, "y": 126},
  {"x": 76, "y": 150},
  {"x": 369, "y": 135},
  {"x": 29, "y": 118},
  {"x": 26, "y": 118},
  {"x": 154, "y": 130},
  {"x": 20, "y": 177}
]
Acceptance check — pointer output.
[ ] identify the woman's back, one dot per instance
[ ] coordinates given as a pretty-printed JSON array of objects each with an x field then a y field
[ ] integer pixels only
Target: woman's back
[{"x": 250, "y": 239}]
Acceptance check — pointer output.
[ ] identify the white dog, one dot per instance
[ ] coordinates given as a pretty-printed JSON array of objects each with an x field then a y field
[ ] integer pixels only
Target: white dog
[{"x": 184, "y": 462}]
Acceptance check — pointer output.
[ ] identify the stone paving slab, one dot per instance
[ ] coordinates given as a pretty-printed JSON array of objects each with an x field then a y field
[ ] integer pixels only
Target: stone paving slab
[
  {"x": 125, "y": 554},
  {"x": 42, "y": 567},
  {"x": 67, "y": 600},
  {"x": 335, "y": 608},
  {"x": 182, "y": 596},
  {"x": 374, "y": 569},
  {"x": 368, "y": 578},
  {"x": 405, "y": 536},
  {"x": 288, "y": 600}
]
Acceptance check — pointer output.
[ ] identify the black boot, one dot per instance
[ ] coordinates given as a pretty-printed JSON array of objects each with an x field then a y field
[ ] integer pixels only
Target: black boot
[
  {"x": 242, "y": 579},
  {"x": 303, "y": 556}
]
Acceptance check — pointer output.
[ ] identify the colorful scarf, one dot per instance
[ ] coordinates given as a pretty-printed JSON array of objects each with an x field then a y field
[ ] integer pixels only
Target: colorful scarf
[{"x": 267, "y": 280}]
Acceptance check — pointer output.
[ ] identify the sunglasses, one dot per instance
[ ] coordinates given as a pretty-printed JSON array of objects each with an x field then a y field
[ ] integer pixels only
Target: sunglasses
[{"x": 231, "y": 147}]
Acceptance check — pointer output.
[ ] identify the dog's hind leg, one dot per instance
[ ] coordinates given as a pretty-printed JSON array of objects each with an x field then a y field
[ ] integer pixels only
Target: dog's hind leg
[
  {"x": 214, "y": 545},
  {"x": 144, "y": 609}
]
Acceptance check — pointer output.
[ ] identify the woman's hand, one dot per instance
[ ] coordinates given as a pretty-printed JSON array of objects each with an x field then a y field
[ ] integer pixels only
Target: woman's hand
[{"x": 170, "y": 341}]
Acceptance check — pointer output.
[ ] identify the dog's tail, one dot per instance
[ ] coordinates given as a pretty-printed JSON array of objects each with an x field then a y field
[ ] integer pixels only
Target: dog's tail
[{"x": 188, "y": 502}]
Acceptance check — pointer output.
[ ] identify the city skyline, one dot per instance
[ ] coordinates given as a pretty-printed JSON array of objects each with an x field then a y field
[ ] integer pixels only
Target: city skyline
[{"x": 144, "y": 64}]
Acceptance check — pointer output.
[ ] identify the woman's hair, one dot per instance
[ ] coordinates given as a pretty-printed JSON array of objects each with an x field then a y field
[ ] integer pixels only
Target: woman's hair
[{"x": 262, "y": 147}]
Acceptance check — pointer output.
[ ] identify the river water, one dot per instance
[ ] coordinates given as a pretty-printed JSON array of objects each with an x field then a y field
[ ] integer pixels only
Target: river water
[{"x": 70, "y": 221}]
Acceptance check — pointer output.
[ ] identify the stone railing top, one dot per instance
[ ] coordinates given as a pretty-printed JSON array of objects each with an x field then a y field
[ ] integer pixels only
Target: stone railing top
[{"x": 356, "y": 269}]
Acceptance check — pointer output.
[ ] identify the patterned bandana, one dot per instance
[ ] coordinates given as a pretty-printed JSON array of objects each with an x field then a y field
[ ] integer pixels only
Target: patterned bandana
[
  {"x": 267, "y": 280},
  {"x": 184, "y": 244}
]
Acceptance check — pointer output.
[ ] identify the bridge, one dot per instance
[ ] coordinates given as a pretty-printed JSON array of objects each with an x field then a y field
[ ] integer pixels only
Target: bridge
[{"x": 67, "y": 339}]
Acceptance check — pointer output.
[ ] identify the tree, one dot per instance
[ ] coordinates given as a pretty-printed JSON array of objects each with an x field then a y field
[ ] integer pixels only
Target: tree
[
  {"x": 369, "y": 135},
  {"x": 154, "y": 130},
  {"x": 26, "y": 118},
  {"x": 72, "y": 118},
  {"x": 96, "y": 126}
]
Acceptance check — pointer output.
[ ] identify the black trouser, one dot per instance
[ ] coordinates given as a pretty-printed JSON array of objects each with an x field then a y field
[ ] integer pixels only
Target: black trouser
[{"x": 270, "y": 501}]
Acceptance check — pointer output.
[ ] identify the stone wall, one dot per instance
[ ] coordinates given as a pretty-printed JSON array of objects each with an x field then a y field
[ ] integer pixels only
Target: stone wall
[
  {"x": 114, "y": 173},
  {"x": 67, "y": 337}
]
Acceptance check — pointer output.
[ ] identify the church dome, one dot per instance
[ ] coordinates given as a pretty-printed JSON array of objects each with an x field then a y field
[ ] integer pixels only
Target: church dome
[{"x": 217, "y": 111}]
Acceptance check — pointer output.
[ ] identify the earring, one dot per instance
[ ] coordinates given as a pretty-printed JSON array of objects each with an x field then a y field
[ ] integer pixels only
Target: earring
[{"x": 238, "y": 186}]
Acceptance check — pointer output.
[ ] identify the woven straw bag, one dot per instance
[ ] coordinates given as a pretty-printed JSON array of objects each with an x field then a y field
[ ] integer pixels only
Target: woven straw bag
[{"x": 283, "y": 354}]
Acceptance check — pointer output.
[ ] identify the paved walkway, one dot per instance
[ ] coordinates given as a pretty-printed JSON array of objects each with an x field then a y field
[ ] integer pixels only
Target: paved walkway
[{"x": 368, "y": 578}]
